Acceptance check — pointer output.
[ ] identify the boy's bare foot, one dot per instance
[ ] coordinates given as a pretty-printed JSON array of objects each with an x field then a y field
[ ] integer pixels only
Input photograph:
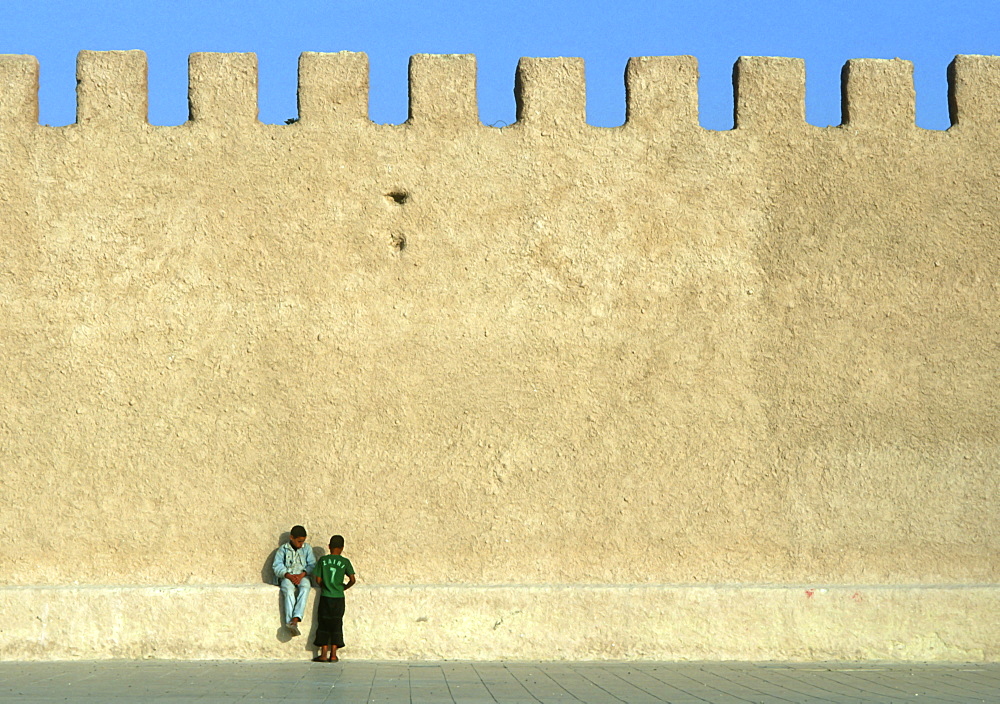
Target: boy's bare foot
[
  {"x": 320, "y": 658},
  {"x": 333, "y": 658}
]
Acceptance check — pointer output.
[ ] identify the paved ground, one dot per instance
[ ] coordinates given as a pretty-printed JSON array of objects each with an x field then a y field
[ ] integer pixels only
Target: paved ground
[{"x": 489, "y": 682}]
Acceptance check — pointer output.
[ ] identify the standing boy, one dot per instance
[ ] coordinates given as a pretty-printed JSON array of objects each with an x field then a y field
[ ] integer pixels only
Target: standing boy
[
  {"x": 293, "y": 563},
  {"x": 330, "y": 572}
]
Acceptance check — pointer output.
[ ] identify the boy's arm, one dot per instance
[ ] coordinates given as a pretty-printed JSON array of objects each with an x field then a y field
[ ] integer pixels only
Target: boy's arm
[
  {"x": 278, "y": 566},
  {"x": 350, "y": 582},
  {"x": 310, "y": 561}
]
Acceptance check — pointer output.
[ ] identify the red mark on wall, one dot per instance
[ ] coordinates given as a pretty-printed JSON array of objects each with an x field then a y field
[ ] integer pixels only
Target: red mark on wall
[
  {"x": 809, "y": 593},
  {"x": 857, "y": 597}
]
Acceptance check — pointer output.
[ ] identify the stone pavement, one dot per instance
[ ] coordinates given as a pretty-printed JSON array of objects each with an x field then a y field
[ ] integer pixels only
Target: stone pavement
[{"x": 495, "y": 682}]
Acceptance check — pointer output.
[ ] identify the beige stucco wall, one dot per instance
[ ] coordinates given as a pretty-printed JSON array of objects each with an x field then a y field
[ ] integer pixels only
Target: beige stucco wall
[{"x": 651, "y": 355}]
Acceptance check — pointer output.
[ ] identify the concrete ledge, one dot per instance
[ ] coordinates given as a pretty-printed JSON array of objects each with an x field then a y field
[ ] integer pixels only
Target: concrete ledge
[{"x": 722, "y": 622}]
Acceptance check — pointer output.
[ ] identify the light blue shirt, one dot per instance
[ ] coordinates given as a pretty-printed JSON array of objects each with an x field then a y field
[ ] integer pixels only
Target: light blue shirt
[{"x": 288, "y": 560}]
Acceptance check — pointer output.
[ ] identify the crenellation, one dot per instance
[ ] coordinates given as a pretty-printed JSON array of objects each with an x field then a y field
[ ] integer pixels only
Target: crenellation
[
  {"x": 18, "y": 91},
  {"x": 111, "y": 88},
  {"x": 974, "y": 92},
  {"x": 878, "y": 94},
  {"x": 769, "y": 93},
  {"x": 222, "y": 88},
  {"x": 662, "y": 92},
  {"x": 443, "y": 91},
  {"x": 333, "y": 88},
  {"x": 550, "y": 92}
]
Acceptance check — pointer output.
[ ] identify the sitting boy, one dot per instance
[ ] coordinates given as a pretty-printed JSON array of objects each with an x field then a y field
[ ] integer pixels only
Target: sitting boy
[
  {"x": 330, "y": 571},
  {"x": 293, "y": 563}
]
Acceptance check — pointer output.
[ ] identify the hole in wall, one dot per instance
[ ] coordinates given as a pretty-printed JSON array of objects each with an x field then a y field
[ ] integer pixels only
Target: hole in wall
[
  {"x": 397, "y": 197},
  {"x": 398, "y": 242}
]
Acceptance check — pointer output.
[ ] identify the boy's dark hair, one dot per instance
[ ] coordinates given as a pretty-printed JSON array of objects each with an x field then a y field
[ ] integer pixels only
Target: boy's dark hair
[
  {"x": 298, "y": 532},
  {"x": 336, "y": 541}
]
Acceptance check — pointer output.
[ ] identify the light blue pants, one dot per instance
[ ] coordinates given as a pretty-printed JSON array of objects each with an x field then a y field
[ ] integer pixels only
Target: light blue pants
[{"x": 295, "y": 597}]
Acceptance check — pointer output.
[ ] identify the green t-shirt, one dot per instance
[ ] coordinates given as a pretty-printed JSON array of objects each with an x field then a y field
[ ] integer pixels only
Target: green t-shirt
[{"x": 331, "y": 569}]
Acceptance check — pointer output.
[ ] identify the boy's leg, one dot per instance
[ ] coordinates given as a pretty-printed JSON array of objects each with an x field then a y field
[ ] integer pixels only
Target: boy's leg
[
  {"x": 337, "y": 622},
  {"x": 288, "y": 597},
  {"x": 299, "y": 610},
  {"x": 324, "y": 634}
]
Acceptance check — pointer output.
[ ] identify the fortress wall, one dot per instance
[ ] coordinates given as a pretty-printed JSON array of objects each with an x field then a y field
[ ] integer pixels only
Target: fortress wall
[{"x": 548, "y": 354}]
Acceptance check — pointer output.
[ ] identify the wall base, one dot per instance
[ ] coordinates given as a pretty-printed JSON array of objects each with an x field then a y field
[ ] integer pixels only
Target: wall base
[{"x": 923, "y": 623}]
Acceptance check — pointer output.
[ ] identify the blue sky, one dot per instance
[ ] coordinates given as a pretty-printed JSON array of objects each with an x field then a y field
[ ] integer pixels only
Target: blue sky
[{"x": 824, "y": 33}]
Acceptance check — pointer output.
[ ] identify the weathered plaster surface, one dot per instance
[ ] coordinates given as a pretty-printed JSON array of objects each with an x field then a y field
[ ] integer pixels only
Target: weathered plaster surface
[{"x": 549, "y": 353}]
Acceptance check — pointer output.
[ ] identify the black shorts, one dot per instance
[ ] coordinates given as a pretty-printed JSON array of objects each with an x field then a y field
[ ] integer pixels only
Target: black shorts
[{"x": 330, "y": 622}]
